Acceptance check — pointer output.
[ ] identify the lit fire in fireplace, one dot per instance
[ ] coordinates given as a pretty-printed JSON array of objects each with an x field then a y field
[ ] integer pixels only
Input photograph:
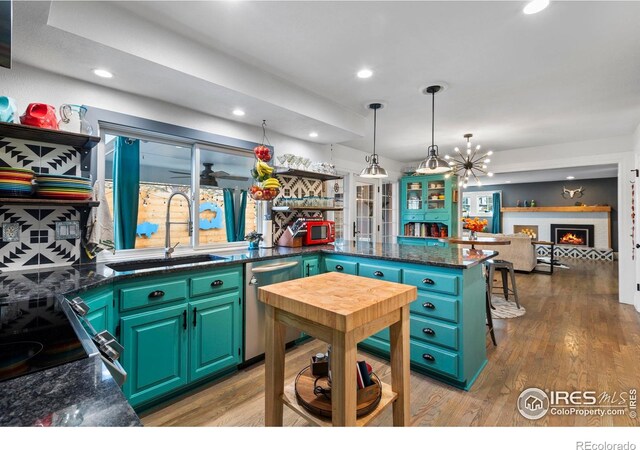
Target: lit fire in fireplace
[{"x": 571, "y": 238}]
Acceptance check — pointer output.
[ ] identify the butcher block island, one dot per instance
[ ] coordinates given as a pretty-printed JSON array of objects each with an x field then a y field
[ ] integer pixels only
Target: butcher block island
[{"x": 341, "y": 310}]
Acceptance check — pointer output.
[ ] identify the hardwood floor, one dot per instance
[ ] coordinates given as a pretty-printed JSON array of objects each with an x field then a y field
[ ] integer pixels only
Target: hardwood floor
[{"x": 574, "y": 336}]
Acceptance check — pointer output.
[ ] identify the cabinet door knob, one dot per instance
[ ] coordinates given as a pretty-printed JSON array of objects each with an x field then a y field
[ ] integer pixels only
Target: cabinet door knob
[
  {"x": 429, "y": 305},
  {"x": 377, "y": 273},
  {"x": 217, "y": 283},
  {"x": 339, "y": 268},
  {"x": 428, "y": 281},
  {"x": 429, "y": 331},
  {"x": 429, "y": 357},
  {"x": 156, "y": 294}
]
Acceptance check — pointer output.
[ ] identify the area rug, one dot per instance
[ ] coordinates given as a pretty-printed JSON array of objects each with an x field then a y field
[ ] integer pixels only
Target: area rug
[{"x": 505, "y": 309}]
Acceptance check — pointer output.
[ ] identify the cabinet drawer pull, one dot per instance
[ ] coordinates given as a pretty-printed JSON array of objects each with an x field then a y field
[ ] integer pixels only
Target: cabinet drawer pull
[
  {"x": 184, "y": 319},
  {"x": 339, "y": 268},
  {"x": 429, "y": 331},
  {"x": 429, "y": 357},
  {"x": 217, "y": 283},
  {"x": 429, "y": 305},
  {"x": 195, "y": 316},
  {"x": 377, "y": 273},
  {"x": 428, "y": 281},
  {"x": 156, "y": 294}
]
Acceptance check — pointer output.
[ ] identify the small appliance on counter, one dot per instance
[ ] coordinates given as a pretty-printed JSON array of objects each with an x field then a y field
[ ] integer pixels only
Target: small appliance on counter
[{"x": 320, "y": 232}]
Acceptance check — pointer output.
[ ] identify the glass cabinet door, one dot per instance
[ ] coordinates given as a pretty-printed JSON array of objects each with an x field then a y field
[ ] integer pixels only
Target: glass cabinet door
[
  {"x": 413, "y": 195},
  {"x": 436, "y": 194}
]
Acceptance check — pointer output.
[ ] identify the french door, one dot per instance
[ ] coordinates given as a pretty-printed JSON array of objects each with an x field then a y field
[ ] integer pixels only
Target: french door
[
  {"x": 373, "y": 209},
  {"x": 365, "y": 224}
]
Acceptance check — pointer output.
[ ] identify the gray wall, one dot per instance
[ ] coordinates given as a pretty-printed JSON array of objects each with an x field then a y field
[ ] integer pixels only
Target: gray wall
[{"x": 599, "y": 191}]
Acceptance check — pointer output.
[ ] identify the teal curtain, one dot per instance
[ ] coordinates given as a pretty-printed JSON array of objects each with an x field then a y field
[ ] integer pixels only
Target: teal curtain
[
  {"x": 495, "y": 220},
  {"x": 229, "y": 215},
  {"x": 241, "y": 214},
  {"x": 126, "y": 190}
]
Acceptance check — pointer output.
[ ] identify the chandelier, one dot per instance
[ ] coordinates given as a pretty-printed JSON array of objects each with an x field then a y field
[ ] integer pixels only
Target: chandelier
[{"x": 469, "y": 164}]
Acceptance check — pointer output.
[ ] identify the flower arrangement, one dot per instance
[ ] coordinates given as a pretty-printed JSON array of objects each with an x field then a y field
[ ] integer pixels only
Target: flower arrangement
[
  {"x": 474, "y": 224},
  {"x": 254, "y": 239}
]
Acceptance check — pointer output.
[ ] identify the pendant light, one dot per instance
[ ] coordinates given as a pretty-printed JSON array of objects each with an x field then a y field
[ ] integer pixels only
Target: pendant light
[
  {"x": 374, "y": 170},
  {"x": 433, "y": 163}
]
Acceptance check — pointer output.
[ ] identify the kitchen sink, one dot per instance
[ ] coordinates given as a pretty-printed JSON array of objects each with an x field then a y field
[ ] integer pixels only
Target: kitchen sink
[{"x": 164, "y": 262}]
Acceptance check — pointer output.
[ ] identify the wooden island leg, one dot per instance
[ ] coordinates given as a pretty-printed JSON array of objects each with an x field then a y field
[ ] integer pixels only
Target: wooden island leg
[
  {"x": 274, "y": 369},
  {"x": 343, "y": 379},
  {"x": 399, "y": 337}
]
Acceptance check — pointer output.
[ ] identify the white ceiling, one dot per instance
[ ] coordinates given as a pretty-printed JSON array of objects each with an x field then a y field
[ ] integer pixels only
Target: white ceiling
[
  {"x": 539, "y": 176},
  {"x": 569, "y": 73}
]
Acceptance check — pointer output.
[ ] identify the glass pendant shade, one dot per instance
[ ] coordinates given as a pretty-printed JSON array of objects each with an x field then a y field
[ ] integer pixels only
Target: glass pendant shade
[{"x": 373, "y": 170}]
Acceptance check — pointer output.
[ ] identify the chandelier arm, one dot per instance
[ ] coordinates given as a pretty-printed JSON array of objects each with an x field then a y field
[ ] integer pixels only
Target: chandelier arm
[
  {"x": 476, "y": 178},
  {"x": 480, "y": 158}
]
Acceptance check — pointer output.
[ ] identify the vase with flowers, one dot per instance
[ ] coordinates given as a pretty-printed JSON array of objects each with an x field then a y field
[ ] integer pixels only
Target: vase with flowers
[
  {"x": 474, "y": 225},
  {"x": 254, "y": 239}
]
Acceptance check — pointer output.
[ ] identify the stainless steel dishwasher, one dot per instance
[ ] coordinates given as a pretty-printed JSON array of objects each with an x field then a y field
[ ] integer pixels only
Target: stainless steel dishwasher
[{"x": 260, "y": 274}]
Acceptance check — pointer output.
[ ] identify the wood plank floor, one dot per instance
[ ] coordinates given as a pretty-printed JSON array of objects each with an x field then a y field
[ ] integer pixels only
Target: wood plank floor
[{"x": 574, "y": 336}]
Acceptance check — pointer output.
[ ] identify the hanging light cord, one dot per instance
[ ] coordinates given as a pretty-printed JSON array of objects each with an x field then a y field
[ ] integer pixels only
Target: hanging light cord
[
  {"x": 375, "y": 121},
  {"x": 433, "y": 118}
]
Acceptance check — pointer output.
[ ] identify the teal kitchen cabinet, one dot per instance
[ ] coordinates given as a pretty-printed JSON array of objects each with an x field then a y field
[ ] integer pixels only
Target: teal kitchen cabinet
[
  {"x": 216, "y": 333},
  {"x": 101, "y": 304},
  {"x": 428, "y": 206},
  {"x": 310, "y": 266},
  {"x": 178, "y": 330},
  {"x": 447, "y": 320},
  {"x": 155, "y": 352},
  {"x": 339, "y": 263}
]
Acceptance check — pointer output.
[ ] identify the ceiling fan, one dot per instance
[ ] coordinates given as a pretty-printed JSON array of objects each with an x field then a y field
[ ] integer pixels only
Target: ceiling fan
[{"x": 209, "y": 177}]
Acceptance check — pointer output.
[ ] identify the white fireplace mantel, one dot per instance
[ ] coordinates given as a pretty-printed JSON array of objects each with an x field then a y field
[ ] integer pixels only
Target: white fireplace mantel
[{"x": 543, "y": 217}]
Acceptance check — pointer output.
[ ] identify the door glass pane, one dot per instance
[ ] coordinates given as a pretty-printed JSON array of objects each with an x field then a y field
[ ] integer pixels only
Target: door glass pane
[
  {"x": 414, "y": 195},
  {"x": 388, "y": 215},
  {"x": 485, "y": 204},
  {"x": 140, "y": 176},
  {"x": 364, "y": 212}
]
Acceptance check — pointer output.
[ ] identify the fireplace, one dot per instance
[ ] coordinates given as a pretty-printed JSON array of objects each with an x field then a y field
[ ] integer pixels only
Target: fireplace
[{"x": 578, "y": 235}]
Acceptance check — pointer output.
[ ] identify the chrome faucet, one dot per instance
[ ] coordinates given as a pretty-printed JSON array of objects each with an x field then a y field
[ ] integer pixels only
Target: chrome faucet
[{"x": 168, "y": 249}]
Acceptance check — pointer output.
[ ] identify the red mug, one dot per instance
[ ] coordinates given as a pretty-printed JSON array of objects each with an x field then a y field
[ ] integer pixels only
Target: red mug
[{"x": 40, "y": 115}]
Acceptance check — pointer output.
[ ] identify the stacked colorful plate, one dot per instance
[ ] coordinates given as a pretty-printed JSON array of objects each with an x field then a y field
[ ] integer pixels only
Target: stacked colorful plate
[
  {"x": 16, "y": 182},
  {"x": 66, "y": 187}
]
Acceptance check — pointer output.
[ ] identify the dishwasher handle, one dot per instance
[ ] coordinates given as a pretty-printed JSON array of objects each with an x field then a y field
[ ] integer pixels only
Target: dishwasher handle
[{"x": 274, "y": 267}]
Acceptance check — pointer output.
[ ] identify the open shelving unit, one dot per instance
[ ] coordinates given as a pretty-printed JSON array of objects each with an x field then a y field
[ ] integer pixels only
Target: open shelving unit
[
  {"x": 47, "y": 202},
  {"x": 29, "y": 133},
  {"x": 285, "y": 171}
]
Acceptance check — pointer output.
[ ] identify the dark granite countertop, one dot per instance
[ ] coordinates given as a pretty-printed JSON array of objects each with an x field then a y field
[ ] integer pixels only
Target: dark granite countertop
[
  {"x": 86, "y": 385},
  {"x": 79, "y": 393}
]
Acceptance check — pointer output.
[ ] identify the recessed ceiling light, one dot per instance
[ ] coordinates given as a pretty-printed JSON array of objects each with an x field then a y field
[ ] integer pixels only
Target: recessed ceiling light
[
  {"x": 102, "y": 73},
  {"x": 508, "y": 181},
  {"x": 313, "y": 134},
  {"x": 238, "y": 112},
  {"x": 364, "y": 73},
  {"x": 570, "y": 177},
  {"x": 535, "y": 6}
]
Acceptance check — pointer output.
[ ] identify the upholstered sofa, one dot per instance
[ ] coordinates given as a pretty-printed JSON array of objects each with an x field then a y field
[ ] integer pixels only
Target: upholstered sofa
[{"x": 521, "y": 252}]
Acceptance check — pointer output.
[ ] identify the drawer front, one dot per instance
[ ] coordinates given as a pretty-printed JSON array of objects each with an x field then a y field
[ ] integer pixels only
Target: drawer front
[
  {"x": 379, "y": 272},
  {"x": 436, "y": 217},
  {"x": 411, "y": 217},
  {"x": 434, "y": 332},
  {"x": 152, "y": 294},
  {"x": 335, "y": 265},
  {"x": 434, "y": 358},
  {"x": 435, "y": 243},
  {"x": 216, "y": 282},
  {"x": 411, "y": 241},
  {"x": 432, "y": 281},
  {"x": 435, "y": 306}
]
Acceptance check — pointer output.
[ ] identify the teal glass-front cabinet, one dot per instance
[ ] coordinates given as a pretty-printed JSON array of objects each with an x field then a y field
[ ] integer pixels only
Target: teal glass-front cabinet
[{"x": 428, "y": 209}]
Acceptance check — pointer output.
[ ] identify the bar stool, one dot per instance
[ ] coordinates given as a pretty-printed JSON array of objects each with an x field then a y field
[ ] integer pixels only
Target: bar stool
[
  {"x": 505, "y": 268},
  {"x": 487, "y": 298}
]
